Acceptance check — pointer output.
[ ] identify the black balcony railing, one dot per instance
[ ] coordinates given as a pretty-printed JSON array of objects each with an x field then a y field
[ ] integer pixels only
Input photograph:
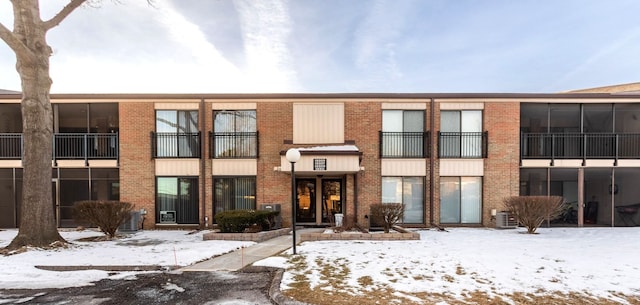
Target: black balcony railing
[
  {"x": 175, "y": 145},
  {"x": 580, "y": 145},
  {"x": 233, "y": 145},
  {"x": 404, "y": 144},
  {"x": 10, "y": 146},
  {"x": 66, "y": 146},
  {"x": 462, "y": 144}
]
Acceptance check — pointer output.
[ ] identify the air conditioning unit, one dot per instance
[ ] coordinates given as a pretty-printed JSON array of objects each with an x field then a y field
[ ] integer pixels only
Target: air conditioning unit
[
  {"x": 274, "y": 207},
  {"x": 505, "y": 220},
  {"x": 132, "y": 224}
]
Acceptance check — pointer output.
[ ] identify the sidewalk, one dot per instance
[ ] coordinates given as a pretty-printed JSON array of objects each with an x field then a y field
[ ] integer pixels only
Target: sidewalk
[{"x": 240, "y": 258}]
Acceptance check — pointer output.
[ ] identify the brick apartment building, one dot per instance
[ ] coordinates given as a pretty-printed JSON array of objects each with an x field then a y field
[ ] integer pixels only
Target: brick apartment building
[{"x": 450, "y": 158}]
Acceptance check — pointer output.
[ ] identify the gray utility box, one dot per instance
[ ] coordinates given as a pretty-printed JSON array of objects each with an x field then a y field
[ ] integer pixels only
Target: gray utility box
[
  {"x": 505, "y": 220},
  {"x": 132, "y": 224},
  {"x": 274, "y": 207}
]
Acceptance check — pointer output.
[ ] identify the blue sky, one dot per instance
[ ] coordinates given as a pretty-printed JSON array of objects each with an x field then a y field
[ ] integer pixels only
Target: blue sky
[{"x": 195, "y": 46}]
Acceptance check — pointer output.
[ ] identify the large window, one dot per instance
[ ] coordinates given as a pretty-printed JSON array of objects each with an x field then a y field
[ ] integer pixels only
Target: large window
[
  {"x": 177, "y": 134},
  {"x": 234, "y": 134},
  {"x": 402, "y": 134},
  {"x": 234, "y": 193},
  {"x": 408, "y": 191},
  {"x": 460, "y": 199},
  {"x": 177, "y": 200},
  {"x": 461, "y": 134}
]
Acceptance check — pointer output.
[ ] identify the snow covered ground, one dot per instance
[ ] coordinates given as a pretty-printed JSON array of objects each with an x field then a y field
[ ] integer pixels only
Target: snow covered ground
[
  {"x": 598, "y": 261},
  {"x": 164, "y": 248}
]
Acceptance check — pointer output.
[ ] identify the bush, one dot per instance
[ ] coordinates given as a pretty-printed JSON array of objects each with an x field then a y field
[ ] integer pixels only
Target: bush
[
  {"x": 107, "y": 215},
  {"x": 531, "y": 211},
  {"x": 237, "y": 221},
  {"x": 387, "y": 214}
]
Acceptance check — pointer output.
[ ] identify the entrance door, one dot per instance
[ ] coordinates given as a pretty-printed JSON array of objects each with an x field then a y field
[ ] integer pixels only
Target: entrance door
[
  {"x": 306, "y": 200},
  {"x": 331, "y": 199},
  {"x": 318, "y": 200}
]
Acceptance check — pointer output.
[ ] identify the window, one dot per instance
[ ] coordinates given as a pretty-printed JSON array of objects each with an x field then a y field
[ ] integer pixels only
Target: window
[
  {"x": 177, "y": 134},
  {"x": 177, "y": 200},
  {"x": 460, "y": 199},
  {"x": 234, "y": 193},
  {"x": 461, "y": 134},
  {"x": 234, "y": 134},
  {"x": 402, "y": 134},
  {"x": 408, "y": 191}
]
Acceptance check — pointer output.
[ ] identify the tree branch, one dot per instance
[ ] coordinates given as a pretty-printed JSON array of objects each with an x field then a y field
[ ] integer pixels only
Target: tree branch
[
  {"x": 12, "y": 41},
  {"x": 66, "y": 10}
]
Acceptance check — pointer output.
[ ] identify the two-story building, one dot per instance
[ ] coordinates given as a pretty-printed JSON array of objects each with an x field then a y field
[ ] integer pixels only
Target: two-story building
[{"x": 450, "y": 158}]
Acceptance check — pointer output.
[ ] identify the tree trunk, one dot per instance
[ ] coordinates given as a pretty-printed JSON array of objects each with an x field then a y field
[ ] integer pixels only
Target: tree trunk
[{"x": 37, "y": 218}]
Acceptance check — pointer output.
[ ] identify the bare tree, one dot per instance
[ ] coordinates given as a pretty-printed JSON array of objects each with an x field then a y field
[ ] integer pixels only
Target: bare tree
[
  {"x": 531, "y": 211},
  {"x": 387, "y": 214},
  {"x": 28, "y": 42}
]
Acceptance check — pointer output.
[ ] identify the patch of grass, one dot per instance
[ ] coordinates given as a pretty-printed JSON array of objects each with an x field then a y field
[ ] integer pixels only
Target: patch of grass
[{"x": 365, "y": 281}]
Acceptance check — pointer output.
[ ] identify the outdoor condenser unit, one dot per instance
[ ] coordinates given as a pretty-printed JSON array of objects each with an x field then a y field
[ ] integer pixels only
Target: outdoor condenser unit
[
  {"x": 274, "y": 207},
  {"x": 505, "y": 220},
  {"x": 132, "y": 224}
]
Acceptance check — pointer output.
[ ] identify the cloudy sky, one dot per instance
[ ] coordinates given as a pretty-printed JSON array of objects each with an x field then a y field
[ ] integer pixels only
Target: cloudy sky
[{"x": 196, "y": 46}]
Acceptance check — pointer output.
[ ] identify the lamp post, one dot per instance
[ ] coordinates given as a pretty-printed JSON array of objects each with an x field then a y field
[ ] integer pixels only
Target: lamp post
[{"x": 293, "y": 155}]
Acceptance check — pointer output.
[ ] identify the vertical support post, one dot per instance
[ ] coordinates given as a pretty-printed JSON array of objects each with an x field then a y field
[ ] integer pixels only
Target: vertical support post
[
  {"x": 293, "y": 155},
  {"x": 293, "y": 205}
]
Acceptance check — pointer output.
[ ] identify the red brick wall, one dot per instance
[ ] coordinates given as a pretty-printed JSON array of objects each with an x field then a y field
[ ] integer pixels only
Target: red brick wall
[
  {"x": 274, "y": 120},
  {"x": 363, "y": 121},
  {"x": 501, "y": 168},
  {"x": 137, "y": 171}
]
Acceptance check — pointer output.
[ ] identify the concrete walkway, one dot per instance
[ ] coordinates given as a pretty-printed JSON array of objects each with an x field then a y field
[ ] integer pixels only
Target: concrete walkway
[{"x": 240, "y": 258}]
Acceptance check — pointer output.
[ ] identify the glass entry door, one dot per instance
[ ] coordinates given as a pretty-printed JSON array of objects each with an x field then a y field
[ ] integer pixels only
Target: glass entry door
[
  {"x": 331, "y": 199},
  {"x": 306, "y": 200},
  {"x": 318, "y": 200}
]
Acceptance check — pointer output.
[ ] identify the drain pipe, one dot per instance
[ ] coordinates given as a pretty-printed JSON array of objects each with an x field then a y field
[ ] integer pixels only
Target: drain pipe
[
  {"x": 432, "y": 127},
  {"x": 203, "y": 150}
]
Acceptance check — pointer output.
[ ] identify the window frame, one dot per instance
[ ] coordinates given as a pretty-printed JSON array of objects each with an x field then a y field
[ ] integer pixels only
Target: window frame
[
  {"x": 193, "y": 196},
  {"x": 234, "y": 179},
  {"x": 403, "y": 196},
  {"x": 459, "y": 200}
]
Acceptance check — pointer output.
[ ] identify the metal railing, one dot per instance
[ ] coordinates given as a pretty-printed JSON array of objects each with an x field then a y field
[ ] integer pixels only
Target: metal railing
[
  {"x": 579, "y": 145},
  {"x": 404, "y": 144},
  {"x": 175, "y": 145},
  {"x": 67, "y": 146},
  {"x": 233, "y": 145},
  {"x": 462, "y": 144},
  {"x": 10, "y": 146}
]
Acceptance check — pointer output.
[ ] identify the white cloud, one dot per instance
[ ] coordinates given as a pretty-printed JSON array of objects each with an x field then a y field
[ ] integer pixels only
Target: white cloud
[{"x": 266, "y": 26}]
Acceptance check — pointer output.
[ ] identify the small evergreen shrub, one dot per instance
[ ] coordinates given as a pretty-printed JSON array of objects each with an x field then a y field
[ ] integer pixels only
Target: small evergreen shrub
[
  {"x": 387, "y": 215},
  {"x": 238, "y": 221},
  {"x": 531, "y": 211},
  {"x": 107, "y": 215}
]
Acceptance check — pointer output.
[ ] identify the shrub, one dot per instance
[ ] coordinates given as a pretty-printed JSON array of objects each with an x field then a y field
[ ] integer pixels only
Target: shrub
[
  {"x": 237, "y": 221},
  {"x": 107, "y": 215},
  {"x": 531, "y": 211},
  {"x": 387, "y": 214}
]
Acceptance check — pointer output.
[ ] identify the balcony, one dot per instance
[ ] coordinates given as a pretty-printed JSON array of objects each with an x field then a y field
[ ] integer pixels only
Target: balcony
[
  {"x": 580, "y": 146},
  {"x": 233, "y": 145},
  {"x": 67, "y": 146},
  {"x": 404, "y": 144},
  {"x": 462, "y": 145},
  {"x": 175, "y": 145}
]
